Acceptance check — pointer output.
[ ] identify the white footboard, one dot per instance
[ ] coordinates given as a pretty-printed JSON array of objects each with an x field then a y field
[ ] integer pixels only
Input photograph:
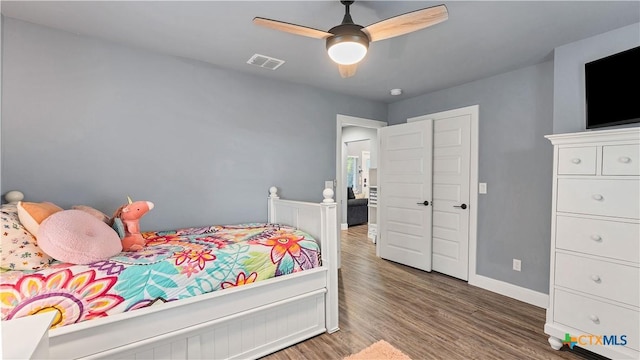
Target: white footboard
[{"x": 304, "y": 216}]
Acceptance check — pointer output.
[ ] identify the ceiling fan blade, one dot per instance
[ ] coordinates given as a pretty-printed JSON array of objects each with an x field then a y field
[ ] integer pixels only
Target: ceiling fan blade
[
  {"x": 347, "y": 70},
  {"x": 292, "y": 28},
  {"x": 406, "y": 23}
]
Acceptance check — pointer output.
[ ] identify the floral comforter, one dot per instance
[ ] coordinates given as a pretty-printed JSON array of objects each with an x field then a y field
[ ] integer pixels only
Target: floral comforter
[{"x": 174, "y": 265}]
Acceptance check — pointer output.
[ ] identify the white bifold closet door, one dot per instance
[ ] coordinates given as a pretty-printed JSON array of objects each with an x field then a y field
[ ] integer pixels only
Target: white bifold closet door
[{"x": 405, "y": 193}]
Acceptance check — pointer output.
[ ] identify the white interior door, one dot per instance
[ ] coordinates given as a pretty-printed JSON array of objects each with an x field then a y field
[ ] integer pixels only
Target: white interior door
[
  {"x": 451, "y": 153},
  {"x": 404, "y": 194},
  {"x": 451, "y": 192}
]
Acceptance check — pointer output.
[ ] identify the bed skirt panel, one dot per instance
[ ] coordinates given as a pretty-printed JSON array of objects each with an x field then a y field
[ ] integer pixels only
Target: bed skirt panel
[
  {"x": 246, "y": 336},
  {"x": 231, "y": 310}
]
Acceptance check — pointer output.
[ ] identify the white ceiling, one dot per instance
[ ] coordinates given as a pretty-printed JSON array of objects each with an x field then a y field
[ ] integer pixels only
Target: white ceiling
[{"x": 480, "y": 39}]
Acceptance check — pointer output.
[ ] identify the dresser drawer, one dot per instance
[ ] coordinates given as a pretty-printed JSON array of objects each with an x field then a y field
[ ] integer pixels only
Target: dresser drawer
[
  {"x": 621, "y": 160},
  {"x": 596, "y": 317},
  {"x": 617, "y": 198},
  {"x": 577, "y": 161},
  {"x": 610, "y": 239},
  {"x": 598, "y": 277}
]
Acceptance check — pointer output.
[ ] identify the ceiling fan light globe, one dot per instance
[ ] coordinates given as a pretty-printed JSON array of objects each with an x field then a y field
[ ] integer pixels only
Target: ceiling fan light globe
[{"x": 347, "y": 53}]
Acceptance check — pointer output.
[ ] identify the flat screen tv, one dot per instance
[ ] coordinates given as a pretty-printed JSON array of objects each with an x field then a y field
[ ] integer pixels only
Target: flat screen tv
[{"x": 613, "y": 89}]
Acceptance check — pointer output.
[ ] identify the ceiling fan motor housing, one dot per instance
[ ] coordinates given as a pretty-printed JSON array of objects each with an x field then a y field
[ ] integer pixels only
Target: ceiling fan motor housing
[{"x": 348, "y": 33}]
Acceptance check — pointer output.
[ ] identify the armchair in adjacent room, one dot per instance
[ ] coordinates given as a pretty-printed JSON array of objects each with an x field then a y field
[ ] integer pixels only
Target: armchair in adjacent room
[{"x": 357, "y": 209}]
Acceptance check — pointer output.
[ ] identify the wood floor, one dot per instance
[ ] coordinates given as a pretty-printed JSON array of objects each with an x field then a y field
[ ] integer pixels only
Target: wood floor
[{"x": 425, "y": 315}]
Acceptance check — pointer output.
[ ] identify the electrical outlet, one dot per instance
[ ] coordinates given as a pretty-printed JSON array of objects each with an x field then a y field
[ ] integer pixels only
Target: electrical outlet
[{"x": 517, "y": 265}]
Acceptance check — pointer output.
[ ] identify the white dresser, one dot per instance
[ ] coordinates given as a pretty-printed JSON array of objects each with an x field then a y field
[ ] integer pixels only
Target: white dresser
[{"x": 594, "y": 293}]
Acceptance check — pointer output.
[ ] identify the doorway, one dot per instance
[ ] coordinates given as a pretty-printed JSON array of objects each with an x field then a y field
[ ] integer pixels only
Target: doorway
[{"x": 344, "y": 122}]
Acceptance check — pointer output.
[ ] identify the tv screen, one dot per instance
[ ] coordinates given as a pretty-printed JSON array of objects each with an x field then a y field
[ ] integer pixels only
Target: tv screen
[{"x": 613, "y": 89}]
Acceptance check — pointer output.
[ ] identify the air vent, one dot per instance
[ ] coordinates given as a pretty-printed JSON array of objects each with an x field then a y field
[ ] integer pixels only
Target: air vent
[{"x": 266, "y": 62}]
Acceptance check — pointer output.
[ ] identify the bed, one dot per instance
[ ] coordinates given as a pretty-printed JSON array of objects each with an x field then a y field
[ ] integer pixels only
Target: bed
[{"x": 231, "y": 313}]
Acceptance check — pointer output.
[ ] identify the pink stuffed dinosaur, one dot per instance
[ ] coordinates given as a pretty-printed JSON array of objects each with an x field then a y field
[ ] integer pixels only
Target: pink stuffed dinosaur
[{"x": 126, "y": 221}]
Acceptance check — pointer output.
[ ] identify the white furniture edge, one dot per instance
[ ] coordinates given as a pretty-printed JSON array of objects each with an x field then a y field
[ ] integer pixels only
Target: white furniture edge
[
  {"x": 28, "y": 337},
  {"x": 238, "y": 323},
  {"x": 597, "y": 135}
]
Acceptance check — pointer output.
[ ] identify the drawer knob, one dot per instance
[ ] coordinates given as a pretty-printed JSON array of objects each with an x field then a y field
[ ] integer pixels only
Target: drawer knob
[
  {"x": 624, "y": 159},
  {"x": 576, "y": 161},
  {"x": 597, "y": 197},
  {"x": 596, "y": 238},
  {"x": 596, "y": 278},
  {"x": 595, "y": 319}
]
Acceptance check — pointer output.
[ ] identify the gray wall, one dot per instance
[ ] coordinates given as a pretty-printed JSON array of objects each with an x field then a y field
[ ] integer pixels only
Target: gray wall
[
  {"x": 515, "y": 159},
  {"x": 86, "y": 121},
  {"x": 568, "y": 88}
]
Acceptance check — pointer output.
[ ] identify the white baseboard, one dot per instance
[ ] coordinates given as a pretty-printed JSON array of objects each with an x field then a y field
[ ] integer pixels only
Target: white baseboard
[
  {"x": 513, "y": 291},
  {"x": 344, "y": 226}
]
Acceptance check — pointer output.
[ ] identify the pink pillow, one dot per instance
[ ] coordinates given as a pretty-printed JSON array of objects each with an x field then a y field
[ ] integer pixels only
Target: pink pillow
[{"x": 77, "y": 237}]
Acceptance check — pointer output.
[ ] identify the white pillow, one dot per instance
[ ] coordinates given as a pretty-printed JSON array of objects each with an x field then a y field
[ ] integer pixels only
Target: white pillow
[{"x": 19, "y": 248}]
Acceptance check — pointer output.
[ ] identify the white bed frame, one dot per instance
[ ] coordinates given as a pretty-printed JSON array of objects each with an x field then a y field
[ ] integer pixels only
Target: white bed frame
[{"x": 239, "y": 323}]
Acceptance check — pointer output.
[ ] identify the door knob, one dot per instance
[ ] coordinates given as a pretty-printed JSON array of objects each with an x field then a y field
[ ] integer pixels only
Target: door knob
[
  {"x": 463, "y": 206},
  {"x": 425, "y": 203}
]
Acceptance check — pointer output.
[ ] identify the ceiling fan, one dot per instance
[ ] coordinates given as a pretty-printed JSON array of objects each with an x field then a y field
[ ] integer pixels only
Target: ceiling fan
[{"x": 348, "y": 42}]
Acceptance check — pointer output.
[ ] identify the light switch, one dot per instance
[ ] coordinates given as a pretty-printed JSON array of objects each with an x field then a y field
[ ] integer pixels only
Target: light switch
[
  {"x": 328, "y": 184},
  {"x": 482, "y": 188}
]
